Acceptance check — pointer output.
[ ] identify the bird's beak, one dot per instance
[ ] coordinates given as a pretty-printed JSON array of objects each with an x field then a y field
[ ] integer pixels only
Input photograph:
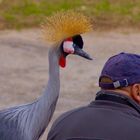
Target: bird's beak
[{"x": 80, "y": 52}]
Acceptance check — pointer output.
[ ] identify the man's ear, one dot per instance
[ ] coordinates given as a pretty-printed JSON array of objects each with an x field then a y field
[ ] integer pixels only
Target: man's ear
[{"x": 135, "y": 91}]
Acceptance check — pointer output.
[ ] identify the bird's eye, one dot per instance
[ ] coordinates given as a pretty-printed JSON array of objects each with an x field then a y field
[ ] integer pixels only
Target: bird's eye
[
  {"x": 74, "y": 45},
  {"x": 78, "y": 41}
]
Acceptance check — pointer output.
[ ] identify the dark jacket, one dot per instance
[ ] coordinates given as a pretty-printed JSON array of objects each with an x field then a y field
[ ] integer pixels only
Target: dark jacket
[{"x": 112, "y": 116}]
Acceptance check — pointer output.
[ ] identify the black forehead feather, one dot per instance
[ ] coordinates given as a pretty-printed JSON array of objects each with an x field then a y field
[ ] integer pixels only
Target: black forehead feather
[{"x": 77, "y": 39}]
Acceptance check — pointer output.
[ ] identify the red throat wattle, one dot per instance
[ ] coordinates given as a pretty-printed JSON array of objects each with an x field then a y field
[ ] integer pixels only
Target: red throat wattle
[{"x": 62, "y": 61}]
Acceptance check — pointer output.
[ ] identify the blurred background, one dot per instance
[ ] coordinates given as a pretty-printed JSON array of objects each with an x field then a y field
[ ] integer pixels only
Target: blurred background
[
  {"x": 24, "y": 55},
  {"x": 105, "y": 13}
]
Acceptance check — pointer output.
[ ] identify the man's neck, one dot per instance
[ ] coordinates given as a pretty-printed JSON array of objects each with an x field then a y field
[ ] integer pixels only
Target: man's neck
[{"x": 122, "y": 91}]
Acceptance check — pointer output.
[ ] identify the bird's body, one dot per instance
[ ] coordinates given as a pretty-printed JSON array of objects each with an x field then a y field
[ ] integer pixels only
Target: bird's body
[{"x": 28, "y": 122}]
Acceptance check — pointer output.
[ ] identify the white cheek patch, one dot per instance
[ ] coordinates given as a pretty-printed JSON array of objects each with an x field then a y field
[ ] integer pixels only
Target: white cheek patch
[{"x": 68, "y": 47}]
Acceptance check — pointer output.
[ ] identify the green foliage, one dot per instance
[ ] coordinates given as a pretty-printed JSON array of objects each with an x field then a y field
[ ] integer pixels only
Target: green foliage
[
  {"x": 29, "y": 13},
  {"x": 103, "y": 6}
]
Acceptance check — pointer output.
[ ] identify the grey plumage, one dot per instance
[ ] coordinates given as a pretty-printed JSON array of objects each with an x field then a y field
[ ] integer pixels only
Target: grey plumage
[{"x": 28, "y": 122}]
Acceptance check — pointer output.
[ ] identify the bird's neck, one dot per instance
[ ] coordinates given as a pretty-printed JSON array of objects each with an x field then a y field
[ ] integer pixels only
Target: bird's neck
[
  {"x": 53, "y": 86},
  {"x": 53, "y": 65},
  {"x": 43, "y": 108}
]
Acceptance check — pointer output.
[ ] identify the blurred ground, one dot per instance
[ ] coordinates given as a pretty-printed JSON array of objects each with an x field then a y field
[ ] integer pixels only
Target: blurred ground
[{"x": 24, "y": 67}]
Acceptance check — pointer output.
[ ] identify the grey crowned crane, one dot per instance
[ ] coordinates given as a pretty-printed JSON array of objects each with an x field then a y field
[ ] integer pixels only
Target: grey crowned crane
[{"x": 28, "y": 122}]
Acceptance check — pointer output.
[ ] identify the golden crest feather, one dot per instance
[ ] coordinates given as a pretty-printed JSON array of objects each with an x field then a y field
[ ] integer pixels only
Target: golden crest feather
[{"x": 62, "y": 25}]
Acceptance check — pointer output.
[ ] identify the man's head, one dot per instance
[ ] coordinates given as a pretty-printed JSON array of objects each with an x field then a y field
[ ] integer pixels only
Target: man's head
[{"x": 121, "y": 73}]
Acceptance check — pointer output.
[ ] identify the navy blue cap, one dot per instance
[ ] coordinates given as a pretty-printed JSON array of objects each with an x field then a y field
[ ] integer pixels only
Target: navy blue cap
[{"x": 123, "y": 69}]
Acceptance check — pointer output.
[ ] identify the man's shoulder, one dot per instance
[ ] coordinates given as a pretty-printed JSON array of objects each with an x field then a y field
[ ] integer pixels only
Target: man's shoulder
[{"x": 67, "y": 114}]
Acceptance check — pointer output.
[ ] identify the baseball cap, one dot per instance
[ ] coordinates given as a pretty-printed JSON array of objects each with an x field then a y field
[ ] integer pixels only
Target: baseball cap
[{"x": 123, "y": 69}]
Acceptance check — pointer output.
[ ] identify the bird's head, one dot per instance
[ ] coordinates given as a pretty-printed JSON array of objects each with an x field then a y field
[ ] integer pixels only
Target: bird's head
[
  {"x": 72, "y": 45},
  {"x": 64, "y": 29}
]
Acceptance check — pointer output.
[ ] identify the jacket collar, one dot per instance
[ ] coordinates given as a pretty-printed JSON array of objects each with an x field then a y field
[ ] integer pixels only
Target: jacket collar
[{"x": 118, "y": 98}]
